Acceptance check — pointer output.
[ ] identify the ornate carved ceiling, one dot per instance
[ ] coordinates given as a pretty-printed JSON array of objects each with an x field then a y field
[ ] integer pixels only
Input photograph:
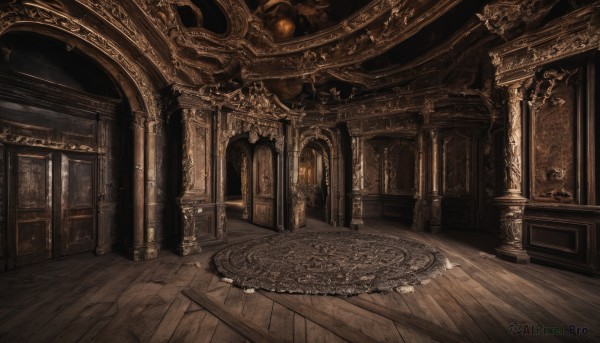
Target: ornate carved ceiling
[{"x": 337, "y": 55}]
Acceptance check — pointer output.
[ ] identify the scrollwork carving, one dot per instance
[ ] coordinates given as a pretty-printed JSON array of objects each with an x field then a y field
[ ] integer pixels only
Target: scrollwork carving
[
  {"x": 187, "y": 161},
  {"x": 545, "y": 86},
  {"x": 506, "y": 17}
]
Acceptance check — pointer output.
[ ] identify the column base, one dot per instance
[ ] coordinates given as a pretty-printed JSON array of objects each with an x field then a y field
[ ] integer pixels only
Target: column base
[
  {"x": 435, "y": 228},
  {"x": 357, "y": 224},
  {"x": 148, "y": 251},
  {"x": 103, "y": 249},
  {"x": 186, "y": 249},
  {"x": 512, "y": 255}
]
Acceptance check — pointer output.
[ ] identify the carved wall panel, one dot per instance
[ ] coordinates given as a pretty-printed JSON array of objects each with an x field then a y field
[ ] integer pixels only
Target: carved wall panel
[
  {"x": 197, "y": 153},
  {"x": 201, "y": 158},
  {"x": 399, "y": 172},
  {"x": 457, "y": 156},
  {"x": 373, "y": 157},
  {"x": 554, "y": 120},
  {"x": 560, "y": 237}
]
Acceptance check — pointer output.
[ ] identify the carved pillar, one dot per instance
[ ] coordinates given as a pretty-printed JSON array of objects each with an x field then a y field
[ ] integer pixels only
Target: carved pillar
[
  {"x": 245, "y": 173},
  {"x": 418, "y": 211},
  {"x": 435, "y": 197},
  {"x": 188, "y": 244},
  {"x": 512, "y": 203},
  {"x": 279, "y": 145},
  {"x": 220, "y": 170},
  {"x": 139, "y": 119},
  {"x": 297, "y": 208},
  {"x": 356, "y": 221}
]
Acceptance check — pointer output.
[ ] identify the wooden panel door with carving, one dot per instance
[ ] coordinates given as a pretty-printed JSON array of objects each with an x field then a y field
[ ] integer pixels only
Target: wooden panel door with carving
[
  {"x": 78, "y": 203},
  {"x": 30, "y": 206},
  {"x": 263, "y": 187}
]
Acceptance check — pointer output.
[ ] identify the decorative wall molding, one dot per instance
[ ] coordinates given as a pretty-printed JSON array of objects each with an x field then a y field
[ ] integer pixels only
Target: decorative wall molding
[
  {"x": 573, "y": 34},
  {"x": 36, "y": 13}
]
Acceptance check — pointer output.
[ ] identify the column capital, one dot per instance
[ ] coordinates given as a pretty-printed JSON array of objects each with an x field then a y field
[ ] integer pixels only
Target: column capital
[{"x": 138, "y": 119}]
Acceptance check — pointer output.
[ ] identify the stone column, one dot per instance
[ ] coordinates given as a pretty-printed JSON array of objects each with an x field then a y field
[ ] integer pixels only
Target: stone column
[
  {"x": 356, "y": 221},
  {"x": 150, "y": 245},
  {"x": 434, "y": 196},
  {"x": 418, "y": 211},
  {"x": 512, "y": 203},
  {"x": 139, "y": 119},
  {"x": 188, "y": 244}
]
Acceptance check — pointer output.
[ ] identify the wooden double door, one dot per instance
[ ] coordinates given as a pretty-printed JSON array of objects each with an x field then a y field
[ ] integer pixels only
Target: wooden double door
[{"x": 51, "y": 204}]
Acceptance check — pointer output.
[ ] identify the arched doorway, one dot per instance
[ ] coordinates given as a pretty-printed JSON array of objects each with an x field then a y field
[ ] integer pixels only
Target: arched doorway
[
  {"x": 320, "y": 181},
  {"x": 65, "y": 187},
  {"x": 251, "y": 182},
  {"x": 238, "y": 179},
  {"x": 314, "y": 181}
]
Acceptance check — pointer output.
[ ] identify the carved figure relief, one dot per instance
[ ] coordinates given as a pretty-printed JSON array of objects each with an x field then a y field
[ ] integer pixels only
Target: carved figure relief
[{"x": 457, "y": 160}]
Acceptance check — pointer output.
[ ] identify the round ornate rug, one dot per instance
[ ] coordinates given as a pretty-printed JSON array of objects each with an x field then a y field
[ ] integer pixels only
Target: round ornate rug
[{"x": 341, "y": 262}]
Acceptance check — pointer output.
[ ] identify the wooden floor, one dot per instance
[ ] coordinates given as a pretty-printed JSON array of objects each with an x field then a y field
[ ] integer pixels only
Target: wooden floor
[{"x": 111, "y": 299}]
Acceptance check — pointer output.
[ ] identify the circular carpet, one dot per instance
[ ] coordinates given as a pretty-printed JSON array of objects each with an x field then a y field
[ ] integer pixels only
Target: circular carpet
[{"x": 341, "y": 262}]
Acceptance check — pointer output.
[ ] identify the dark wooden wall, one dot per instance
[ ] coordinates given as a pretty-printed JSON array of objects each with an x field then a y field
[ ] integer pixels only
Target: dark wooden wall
[
  {"x": 389, "y": 178},
  {"x": 562, "y": 219}
]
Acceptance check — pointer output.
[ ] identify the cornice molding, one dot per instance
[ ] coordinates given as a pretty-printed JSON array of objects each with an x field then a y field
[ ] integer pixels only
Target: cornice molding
[{"x": 575, "y": 33}]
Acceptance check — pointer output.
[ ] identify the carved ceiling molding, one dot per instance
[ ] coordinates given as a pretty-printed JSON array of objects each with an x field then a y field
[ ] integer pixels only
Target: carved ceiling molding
[
  {"x": 507, "y": 18},
  {"x": 263, "y": 44},
  {"x": 427, "y": 69},
  {"x": 189, "y": 52},
  {"x": 254, "y": 100},
  {"x": 576, "y": 33},
  {"x": 323, "y": 51},
  {"x": 116, "y": 15},
  {"x": 25, "y": 13}
]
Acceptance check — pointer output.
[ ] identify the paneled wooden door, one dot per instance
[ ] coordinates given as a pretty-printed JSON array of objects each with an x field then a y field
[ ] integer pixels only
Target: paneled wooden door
[
  {"x": 263, "y": 186},
  {"x": 77, "y": 203},
  {"x": 30, "y": 206},
  {"x": 52, "y": 204}
]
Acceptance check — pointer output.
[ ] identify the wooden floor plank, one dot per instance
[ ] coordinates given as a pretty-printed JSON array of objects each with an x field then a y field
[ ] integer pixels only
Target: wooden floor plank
[
  {"x": 320, "y": 317},
  {"x": 299, "y": 329},
  {"x": 282, "y": 323},
  {"x": 435, "y": 331},
  {"x": 254, "y": 334},
  {"x": 88, "y": 298},
  {"x": 234, "y": 303}
]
